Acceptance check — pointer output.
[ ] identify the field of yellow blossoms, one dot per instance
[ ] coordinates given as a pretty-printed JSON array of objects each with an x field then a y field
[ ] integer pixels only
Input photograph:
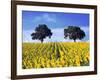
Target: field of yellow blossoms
[{"x": 55, "y": 54}]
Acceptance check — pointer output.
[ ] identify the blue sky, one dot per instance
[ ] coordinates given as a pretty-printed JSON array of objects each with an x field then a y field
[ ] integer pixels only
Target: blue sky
[{"x": 56, "y": 21}]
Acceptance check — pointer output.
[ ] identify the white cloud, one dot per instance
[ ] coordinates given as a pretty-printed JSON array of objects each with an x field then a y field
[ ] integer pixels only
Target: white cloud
[
  {"x": 58, "y": 35},
  {"x": 49, "y": 18},
  {"x": 45, "y": 17},
  {"x": 27, "y": 36},
  {"x": 86, "y": 29},
  {"x": 37, "y": 18}
]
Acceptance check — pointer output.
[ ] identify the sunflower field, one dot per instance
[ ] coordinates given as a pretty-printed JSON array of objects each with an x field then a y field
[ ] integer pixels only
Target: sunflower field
[{"x": 55, "y": 54}]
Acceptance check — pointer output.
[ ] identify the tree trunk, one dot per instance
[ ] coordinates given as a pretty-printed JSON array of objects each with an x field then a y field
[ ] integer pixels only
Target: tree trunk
[
  {"x": 74, "y": 40},
  {"x": 49, "y": 36},
  {"x": 41, "y": 40}
]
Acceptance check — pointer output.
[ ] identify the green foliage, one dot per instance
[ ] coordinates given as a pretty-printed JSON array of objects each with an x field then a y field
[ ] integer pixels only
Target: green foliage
[
  {"x": 74, "y": 32},
  {"x": 41, "y": 32}
]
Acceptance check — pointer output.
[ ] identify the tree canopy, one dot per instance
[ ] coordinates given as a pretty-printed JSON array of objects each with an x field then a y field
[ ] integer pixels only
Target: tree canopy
[
  {"x": 41, "y": 32},
  {"x": 74, "y": 32}
]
